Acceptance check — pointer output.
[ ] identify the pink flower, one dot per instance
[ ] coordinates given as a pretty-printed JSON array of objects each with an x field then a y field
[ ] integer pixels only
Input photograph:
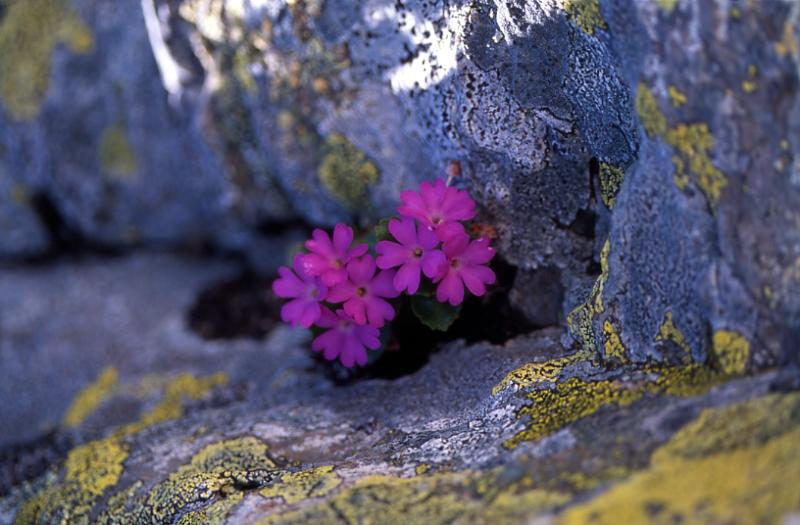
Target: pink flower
[
  {"x": 305, "y": 291},
  {"x": 345, "y": 339},
  {"x": 364, "y": 291},
  {"x": 465, "y": 266},
  {"x": 439, "y": 207},
  {"x": 415, "y": 252},
  {"x": 328, "y": 259}
]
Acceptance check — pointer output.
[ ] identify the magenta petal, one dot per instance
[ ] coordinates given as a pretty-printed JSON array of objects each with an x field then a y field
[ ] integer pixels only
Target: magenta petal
[
  {"x": 478, "y": 252},
  {"x": 357, "y": 251},
  {"x": 361, "y": 270},
  {"x": 311, "y": 313},
  {"x": 455, "y": 246},
  {"x": 448, "y": 231},
  {"x": 390, "y": 254},
  {"x": 378, "y": 311},
  {"x": 450, "y": 289},
  {"x": 313, "y": 264},
  {"x": 341, "y": 292},
  {"x": 333, "y": 277},
  {"x": 473, "y": 283},
  {"x": 292, "y": 311},
  {"x": 407, "y": 278},
  {"x": 342, "y": 237},
  {"x": 356, "y": 309},
  {"x": 327, "y": 319},
  {"x": 320, "y": 243},
  {"x": 288, "y": 285},
  {"x": 427, "y": 237},
  {"x": 432, "y": 263},
  {"x": 383, "y": 285},
  {"x": 404, "y": 230},
  {"x": 351, "y": 349},
  {"x": 369, "y": 336}
]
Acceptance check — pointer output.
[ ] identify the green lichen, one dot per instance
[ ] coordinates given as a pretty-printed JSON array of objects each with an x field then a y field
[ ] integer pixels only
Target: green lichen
[
  {"x": 346, "y": 172},
  {"x": 654, "y": 122},
  {"x": 117, "y": 158},
  {"x": 737, "y": 464},
  {"x": 585, "y": 14},
  {"x": 730, "y": 352},
  {"x": 87, "y": 401},
  {"x": 29, "y": 32},
  {"x": 611, "y": 178}
]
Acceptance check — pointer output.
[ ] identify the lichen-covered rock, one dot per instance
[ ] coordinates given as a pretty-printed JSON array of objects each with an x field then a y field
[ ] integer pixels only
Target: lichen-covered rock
[{"x": 151, "y": 424}]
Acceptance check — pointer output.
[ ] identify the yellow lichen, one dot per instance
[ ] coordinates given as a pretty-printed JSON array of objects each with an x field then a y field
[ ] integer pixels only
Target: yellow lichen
[
  {"x": 679, "y": 176},
  {"x": 737, "y": 464},
  {"x": 29, "y": 31},
  {"x": 184, "y": 386},
  {"x": 530, "y": 374},
  {"x": 788, "y": 44},
  {"x": 574, "y": 399},
  {"x": 668, "y": 331},
  {"x": 117, "y": 157},
  {"x": 693, "y": 142},
  {"x": 678, "y": 99},
  {"x": 585, "y": 14},
  {"x": 611, "y": 178},
  {"x": 654, "y": 122},
  {"x": 87, "y": 401},
  {"x": 422, "y": 469},
  {"x": 91, "y": 469},
  {"x": 346, "y": 172},
  {"x": 749, "y": 85},
  {"x": 454, "y": 497},
  {"x": 614, "y": 350},
  {"x": 580, "y": 319},
  {"x": 667, "y": 5},
  {"x": 730, "y": 352},
  {"x": 96, "y": 466},
  {"x": 294, "y": 487}
]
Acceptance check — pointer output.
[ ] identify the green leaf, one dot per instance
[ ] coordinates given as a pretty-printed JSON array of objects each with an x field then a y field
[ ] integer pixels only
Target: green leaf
[{"x": 433, "y": 314}]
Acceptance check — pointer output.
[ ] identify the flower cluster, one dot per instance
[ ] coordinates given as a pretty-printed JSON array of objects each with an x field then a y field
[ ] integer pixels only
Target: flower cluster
[{"x": 342, "y": 289}]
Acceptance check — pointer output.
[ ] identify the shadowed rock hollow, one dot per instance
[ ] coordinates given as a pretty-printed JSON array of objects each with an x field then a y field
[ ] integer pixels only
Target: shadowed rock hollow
[{"x": 637, "y": 159}]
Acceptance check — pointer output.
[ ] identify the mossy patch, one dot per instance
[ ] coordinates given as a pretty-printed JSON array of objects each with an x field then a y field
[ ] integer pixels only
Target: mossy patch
[
  {"x": 117, "y": 158},
  {"x": 87, "y": 401},
  {"x": 736, "y": 464},
  {"x": 29, "y": 32},
  {"x": 585, "y": 14},
  {"x": 346, "y": 172},
  {"x": 611, "y": 178}
]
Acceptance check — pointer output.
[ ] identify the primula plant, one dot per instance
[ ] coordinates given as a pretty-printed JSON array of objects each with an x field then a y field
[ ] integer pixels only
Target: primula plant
[{"x": 347, "y": 295}]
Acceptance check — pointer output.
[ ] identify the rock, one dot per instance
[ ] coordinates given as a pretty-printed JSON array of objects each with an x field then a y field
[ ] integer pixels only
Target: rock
[{"x": 151, "y": 424}]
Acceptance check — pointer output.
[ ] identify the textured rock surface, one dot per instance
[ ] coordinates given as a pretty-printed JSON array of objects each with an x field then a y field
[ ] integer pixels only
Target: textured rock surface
[
  {"x": 637, "y": 159},
  {"x": 150, "y": 424}
]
